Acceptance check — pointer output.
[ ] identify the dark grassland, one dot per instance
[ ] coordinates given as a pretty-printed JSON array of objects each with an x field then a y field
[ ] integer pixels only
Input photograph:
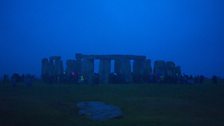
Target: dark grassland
[{"x": 143, "y": 105}]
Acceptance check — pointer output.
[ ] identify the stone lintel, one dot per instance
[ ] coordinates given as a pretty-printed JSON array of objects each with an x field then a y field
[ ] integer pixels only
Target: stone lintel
[{"x": 110, "y": 57}]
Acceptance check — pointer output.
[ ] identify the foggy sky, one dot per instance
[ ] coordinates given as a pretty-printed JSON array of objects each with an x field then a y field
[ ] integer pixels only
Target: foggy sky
[{"x": 188, "y": 32}]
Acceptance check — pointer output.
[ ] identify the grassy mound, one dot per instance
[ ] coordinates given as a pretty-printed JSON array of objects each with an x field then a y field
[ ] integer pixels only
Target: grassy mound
[{"x": 143, "y": 105}]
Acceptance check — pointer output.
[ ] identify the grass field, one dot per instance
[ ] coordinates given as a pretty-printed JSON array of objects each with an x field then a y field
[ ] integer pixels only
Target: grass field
[{"x": 143, "y": 105}]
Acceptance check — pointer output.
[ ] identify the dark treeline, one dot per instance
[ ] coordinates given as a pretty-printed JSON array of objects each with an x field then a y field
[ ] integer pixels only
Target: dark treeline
[
  {"x": 75, "y": 78},
  {"x": 16, "y": 78}
]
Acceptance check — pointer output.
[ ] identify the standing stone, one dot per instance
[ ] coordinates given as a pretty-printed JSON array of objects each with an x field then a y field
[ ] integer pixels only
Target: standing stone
[
  {"x": 51, "y": 67},
  {"x": 160, "y": 68},
  {"x": 123, "y": 69},
  {"x": 170, "y": 69},
  {"x": 127, "y": 70},
  {"x": 79, "y": 62},
  {"x": 44, "y": 68},
  {"x": 147, "y": 67},
  {"x": 138, "y": 70},
  {"x": 138, "y": 67},
  {"x": 87, "y": 69},
  {"x": 70, "y": 67},
  {"x": 178, "y": 71},
  {"x": 117, "y": 66},
  {"x": 55, "y": 69},
  {"x": 59, "y": 67},
  {"x": 147, "y": 76},
  {"x": 56, "y": 65},
  {"x": 104, "y": 71}
]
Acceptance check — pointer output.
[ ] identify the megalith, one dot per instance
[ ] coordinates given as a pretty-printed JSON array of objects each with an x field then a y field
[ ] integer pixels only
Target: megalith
[
  {"x": 159, "y": 68},
  {"x": 87, "y": 69},
  {"x": 104, "y": 70}
]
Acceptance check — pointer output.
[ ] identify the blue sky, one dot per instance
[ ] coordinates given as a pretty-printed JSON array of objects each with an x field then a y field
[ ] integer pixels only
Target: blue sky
[{"x": 188, "y": 32}]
